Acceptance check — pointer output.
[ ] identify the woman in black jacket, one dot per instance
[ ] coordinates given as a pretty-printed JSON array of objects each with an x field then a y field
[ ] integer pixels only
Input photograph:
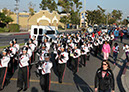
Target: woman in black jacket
[{"x": 104, "y": 79}]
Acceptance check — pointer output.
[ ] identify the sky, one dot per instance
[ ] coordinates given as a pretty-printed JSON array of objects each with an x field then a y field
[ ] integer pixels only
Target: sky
[{"x": 109, "y": 5}]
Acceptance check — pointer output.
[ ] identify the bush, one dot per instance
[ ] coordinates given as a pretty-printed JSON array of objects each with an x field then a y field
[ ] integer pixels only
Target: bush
[
  {"x": 14, "y": 27},
  {"x": 4, "y": 29}
]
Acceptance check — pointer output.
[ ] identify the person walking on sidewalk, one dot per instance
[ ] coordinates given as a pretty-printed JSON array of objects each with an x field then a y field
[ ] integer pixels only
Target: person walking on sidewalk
[
  {"x": 104, "y": 78},
  {"x": 106, "y": 50},
  {"x": 115, "y": 50},
  {"x": 121, "y": 36}
]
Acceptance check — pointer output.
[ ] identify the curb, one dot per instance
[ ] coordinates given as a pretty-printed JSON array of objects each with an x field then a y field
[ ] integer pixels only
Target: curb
[
  {"x": 15, "y": 33},
  {"x": 123, "y": 79}
]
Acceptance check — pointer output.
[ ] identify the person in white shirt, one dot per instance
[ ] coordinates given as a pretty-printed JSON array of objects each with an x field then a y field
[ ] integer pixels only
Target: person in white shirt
[
  {"x": 84, "y": 51},
  {"x": 12, "y": 54},
  {"x": 32, "y": 46},
  {"x": 16, "y": 45},
  {"x": 35, "y": 41},
  {"x": 23, "y": 72},
  {"x": 76, "y": 55},
  {"x": 126, "y": 50},
  {"x": 45, "y": 73},
  {"x": 62, "y": 59},
  {"x": 3, "y": 68}
]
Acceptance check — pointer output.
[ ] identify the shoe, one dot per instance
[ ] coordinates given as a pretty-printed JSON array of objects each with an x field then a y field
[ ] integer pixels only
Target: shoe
[
  {"x": 60, "y": 80},
  {"x": 1, "y": 89},
  {"x": 74, "y": 73},
  {"x": 19, "y": 89},
  {"x": 24, "y": 89}
]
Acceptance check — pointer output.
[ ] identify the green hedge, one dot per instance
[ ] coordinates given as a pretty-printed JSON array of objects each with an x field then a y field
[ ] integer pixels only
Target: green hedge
[
  {"x": 14, "y": 28},
  {"x": 11, "y": 28},
  {"x": 4, "y": 29}
]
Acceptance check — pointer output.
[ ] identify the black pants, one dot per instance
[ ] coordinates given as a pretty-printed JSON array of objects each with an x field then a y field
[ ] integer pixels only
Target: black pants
[
  {"x": 88, "y": 56},
  {"x": 11, "y": 65},
  {"x": 45, "y": 82},
  {"x": 3, "y": 72},
  {"x": 121, "y": 38},
  {"x": 83, "y": 59},
  {"x": 23, "y": 77},
  {"x": 60, "y": 70},
  {"x": 75, "y": 64},
  {"x": 96, "y": 50}
]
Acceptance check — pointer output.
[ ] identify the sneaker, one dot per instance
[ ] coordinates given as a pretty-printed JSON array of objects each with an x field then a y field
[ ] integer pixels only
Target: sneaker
[
  {"x": 20, "y": 89},
  {"x": 24, "y": 89}
]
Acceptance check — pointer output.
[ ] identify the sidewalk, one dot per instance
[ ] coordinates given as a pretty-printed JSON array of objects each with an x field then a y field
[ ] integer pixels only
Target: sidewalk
[
  {"x": 24, "y": 33},
  {"x": 14, "y": 33},
  {"x": 125, "y": 78}
]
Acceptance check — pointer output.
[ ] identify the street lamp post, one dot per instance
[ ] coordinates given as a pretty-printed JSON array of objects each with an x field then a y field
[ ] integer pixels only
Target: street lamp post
[{"x": 17, "y": 11}]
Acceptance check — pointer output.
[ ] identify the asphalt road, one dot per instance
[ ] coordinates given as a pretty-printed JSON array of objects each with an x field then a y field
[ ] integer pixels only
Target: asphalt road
[
  {"x": 83, "y": 81},
  {"x": 22, "y": 38},
  {"x": 5, "y": 39}
]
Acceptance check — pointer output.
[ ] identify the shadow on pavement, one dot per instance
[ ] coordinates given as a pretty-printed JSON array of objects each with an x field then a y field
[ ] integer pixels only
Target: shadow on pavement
[
  {"x": 118, "y": 79},
  {"x": 34, "y": 89},
  {"x": 81, "y": 84}
]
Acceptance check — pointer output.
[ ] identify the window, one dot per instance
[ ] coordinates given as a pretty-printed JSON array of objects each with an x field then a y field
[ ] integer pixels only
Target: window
[
  {"x": 35, "y": 30},
  {"x": 50, "y": 32},
  {"x": 40, "y": 31},
  {"x": 23, "y": 15}
]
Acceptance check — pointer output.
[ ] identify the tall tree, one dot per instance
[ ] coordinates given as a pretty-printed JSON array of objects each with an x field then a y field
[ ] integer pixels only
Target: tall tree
[
  {"x": 43, "y": 5},
  {"x": 65, "y": 20},
  {"x": 48, "y": 4},
  {"x": 7, "y": 11},
  {"x": 5, "y": 19}
]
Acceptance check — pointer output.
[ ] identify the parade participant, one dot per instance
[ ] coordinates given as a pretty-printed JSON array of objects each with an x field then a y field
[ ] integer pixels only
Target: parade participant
[
  {"x": 126, "y": 50},
  {"x": 112, "y": 38},
  {"x": 17, "y": 49},
  {"x": 45, "y": 73},
  {"x": 29, "y": 51},
  {"x": 116, "y": 33},
  {"x": 47, "y": 44},
  {"x": 84, "y": 52},
  {"x": 41, "y": 52},
  {"x": 35, "y": 41},
  {"x": 106, "y": 50},
  {"x": 23, "y": 72},
  {"x": 104, "y": 78},
  {"x": 16, "y": 45},
  {"x": 12, "y": 52},
  {"x": 96, "y": 46},
  {"x": 3, "y": 68},
  {"x": 115, "y": 50},
  {"x": 100, "y": 45},
  {"x": 32, "y": 47},
  {"x": 75, "y": 53},
  {"x": 62, "y": 59},
  {"x": 121, "y": 36}
]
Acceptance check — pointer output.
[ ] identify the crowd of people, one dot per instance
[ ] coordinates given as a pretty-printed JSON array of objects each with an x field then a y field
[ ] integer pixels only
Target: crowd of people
[{"x": 68, "y": 49}]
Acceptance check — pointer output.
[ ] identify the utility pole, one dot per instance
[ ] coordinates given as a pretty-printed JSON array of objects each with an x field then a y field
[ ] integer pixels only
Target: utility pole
[
  {"x": 84, "y": 5},
  {"x": 17, "y": 10}
]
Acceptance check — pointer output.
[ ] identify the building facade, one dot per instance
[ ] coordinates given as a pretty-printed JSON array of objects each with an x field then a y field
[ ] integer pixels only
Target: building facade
[
  {"x": 83, "y": 19},
  {"x": 43, "y": 17}
]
